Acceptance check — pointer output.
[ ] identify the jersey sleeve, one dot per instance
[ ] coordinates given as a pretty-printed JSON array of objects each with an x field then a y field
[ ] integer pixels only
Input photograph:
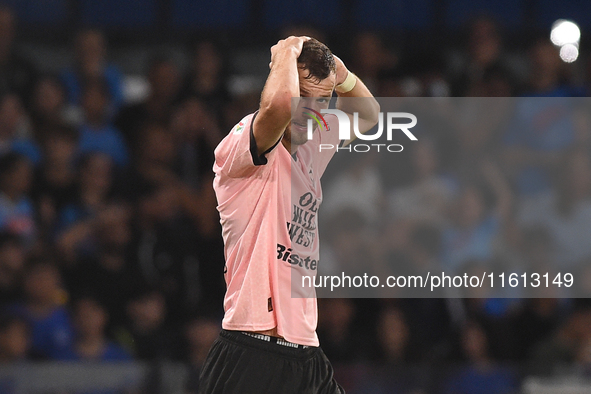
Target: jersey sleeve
[{"x": 236, "y": 156}]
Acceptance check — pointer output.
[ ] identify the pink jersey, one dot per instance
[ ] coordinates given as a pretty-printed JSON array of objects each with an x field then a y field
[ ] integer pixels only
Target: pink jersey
[{"x": 266, "y": 237}]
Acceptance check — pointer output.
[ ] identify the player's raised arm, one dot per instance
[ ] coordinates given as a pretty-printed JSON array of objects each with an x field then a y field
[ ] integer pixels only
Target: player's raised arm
[
  {"x": 282, "y": 84},
  {"x": 349, "y": 85}
]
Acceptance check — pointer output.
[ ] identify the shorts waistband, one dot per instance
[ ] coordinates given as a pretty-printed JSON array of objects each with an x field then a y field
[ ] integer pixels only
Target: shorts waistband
[
  {"x": 269, "y": 343},
  {"x": 278, "y": 341}
]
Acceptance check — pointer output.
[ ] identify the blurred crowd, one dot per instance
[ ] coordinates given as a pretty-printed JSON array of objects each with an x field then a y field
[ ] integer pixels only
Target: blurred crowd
[{"x": 110, "y": 243}]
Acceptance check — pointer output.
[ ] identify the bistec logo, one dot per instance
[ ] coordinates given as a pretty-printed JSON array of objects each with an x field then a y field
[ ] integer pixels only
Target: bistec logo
[{"x": 345, "y": 129}]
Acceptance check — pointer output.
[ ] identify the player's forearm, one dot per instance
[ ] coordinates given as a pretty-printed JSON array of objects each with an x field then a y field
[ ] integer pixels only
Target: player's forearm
[
  {"x": 367, "y": 107},
  {"x": 275, "y": 108}
]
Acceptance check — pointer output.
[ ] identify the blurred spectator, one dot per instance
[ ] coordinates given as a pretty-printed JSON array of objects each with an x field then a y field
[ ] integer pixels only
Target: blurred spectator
[
  {"x": 90, "y": 344},
  {"x": 107, "y": 273},
  {"x": 341, "y": 342},
  {"x": 481, "y": 375},
  {"x": 538, "y": 320},
  {"x": 481, "y": 124},
  {"x": 91, "y": 64},
  {"x": 12, "y": 264},
  {"x": 55, "y": 179},
  {"x": 17, "y": 74},
  {"x": 97, "y": 134},
  {"x": 153, "y": 163},
  {"x": 370, "y": 58},
  {"x": 394, "y": 337},
  {"x": 565, "y": 211},
  {"x": 395, "y": 372},
  {"x": 197, "y": 135},
  {"x": 207, "y": 76},
  {"x": 165, "y": 238},
  {"x": 165, "y": 82},
  {"x": 148, "y": 332},
  {"x": 473, "y": 70},
  {"x": 200, "y": 333},
  {"x": 48, "y": 106},
  {"x": 14, "y": 339},
  {"x": 561, "y": 348},
  {"x": 428, "y": 198},
  {"x": 164, "y": 249},
  {"x": 88, "y": 208},
  {"x": 174, "y": 239},
  {"x": 549, "y": 75},
  {"x": 44, "y": 310},
  {"x": 17, "y": 213},
  {"x": 477, "y": 221},
  {"x": 197, "y": 132},
  {"x": 541, "y": 129},
  {"x": 14, "y": 131}
]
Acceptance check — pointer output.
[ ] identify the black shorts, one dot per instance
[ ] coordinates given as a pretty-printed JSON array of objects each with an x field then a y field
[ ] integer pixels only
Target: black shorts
[{"x": 240, "y": 364}]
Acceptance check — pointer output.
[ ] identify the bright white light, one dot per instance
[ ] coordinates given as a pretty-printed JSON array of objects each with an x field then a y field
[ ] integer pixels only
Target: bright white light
[
  {"x": 569, "y": 53},
  {"x": 565, "y": 32}
]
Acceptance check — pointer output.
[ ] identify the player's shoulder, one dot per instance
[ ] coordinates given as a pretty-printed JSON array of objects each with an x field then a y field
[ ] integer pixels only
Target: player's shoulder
[
  {"x": 235, "y": 134},
  {"x": 244, "y": 124}
]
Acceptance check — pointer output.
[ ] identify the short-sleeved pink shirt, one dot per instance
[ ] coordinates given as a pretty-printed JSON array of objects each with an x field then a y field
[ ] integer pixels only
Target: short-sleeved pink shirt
[{"x": 268, "y": 207}]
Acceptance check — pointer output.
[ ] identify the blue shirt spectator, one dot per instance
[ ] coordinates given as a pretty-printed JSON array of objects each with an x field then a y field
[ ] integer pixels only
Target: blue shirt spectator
[
  {"x": 44, "y": 311},
  {"x": 51, "y": 333},
  {"x": 113, "y": 77},
  {"x": 97, "y": 134},
  {"x": 106, "y": 140},
  {"x": 91, "y": 49},
  {"x": 91, "y": 344},
  {"x": 27, "y": 148}
]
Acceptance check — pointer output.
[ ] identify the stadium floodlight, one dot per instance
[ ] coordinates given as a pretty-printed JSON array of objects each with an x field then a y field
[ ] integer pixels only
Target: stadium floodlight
[
  {"x": 566, "y": 35},
  {"x": 569, "y": 53},
  {"x": 565, "y": 32}
]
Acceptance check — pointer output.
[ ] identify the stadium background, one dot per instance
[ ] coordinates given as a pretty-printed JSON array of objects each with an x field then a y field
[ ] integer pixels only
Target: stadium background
[{"x": 110, "y": 246}]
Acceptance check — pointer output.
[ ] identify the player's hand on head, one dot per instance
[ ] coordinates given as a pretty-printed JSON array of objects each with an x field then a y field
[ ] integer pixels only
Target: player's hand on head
[{"x": 291, "y": 43}]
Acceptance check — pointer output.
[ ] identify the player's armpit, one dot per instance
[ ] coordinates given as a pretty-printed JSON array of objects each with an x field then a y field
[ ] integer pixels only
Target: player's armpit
[{"x": 259, "y": 159}]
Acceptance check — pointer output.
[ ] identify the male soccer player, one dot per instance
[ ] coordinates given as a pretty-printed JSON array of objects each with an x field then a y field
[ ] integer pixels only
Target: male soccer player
[{"x": 267, "y": 183}]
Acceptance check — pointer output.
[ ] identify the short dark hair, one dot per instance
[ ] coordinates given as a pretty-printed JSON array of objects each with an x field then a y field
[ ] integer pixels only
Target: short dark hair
[{"x": 317, "y": 59}]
